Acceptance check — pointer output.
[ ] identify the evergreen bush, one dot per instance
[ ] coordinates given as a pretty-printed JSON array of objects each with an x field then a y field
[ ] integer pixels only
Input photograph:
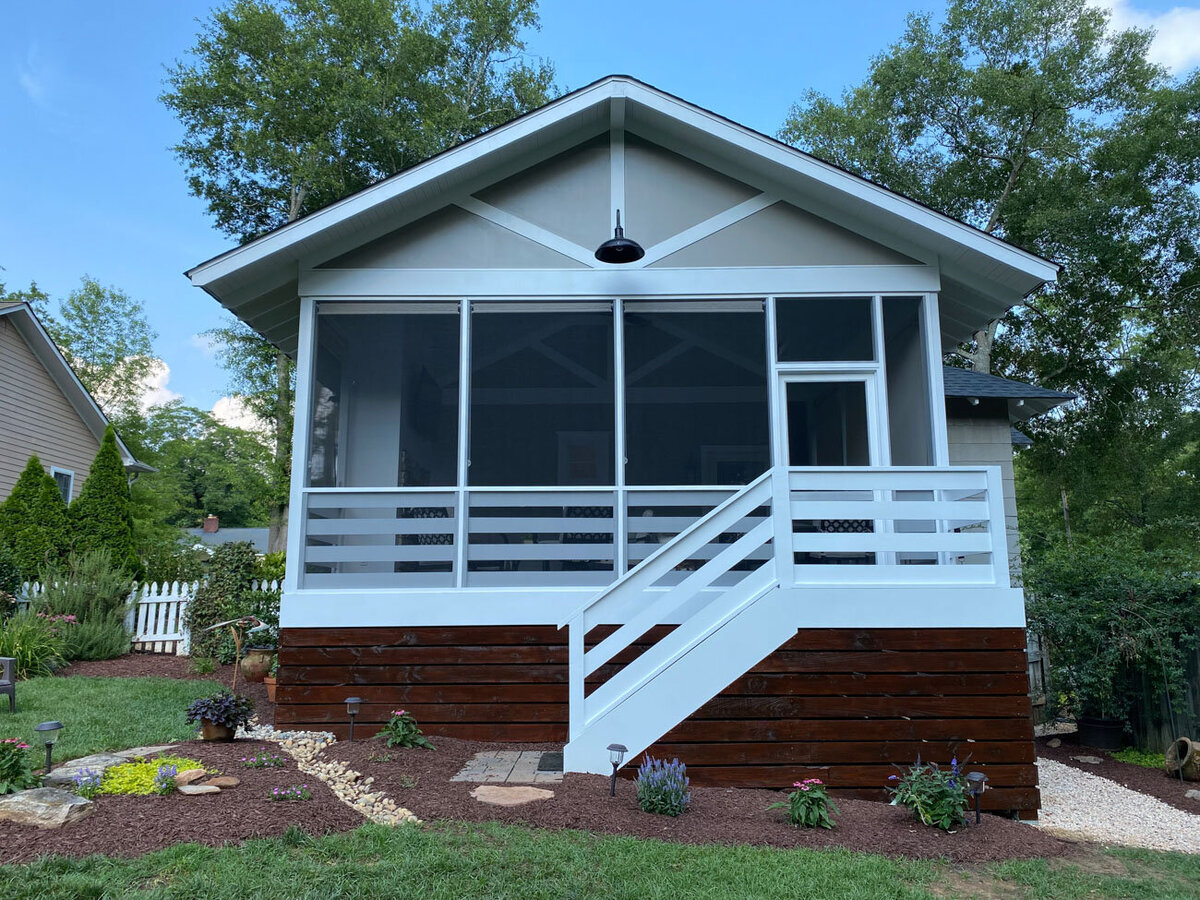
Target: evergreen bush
[
  {"x": 96, "y": 592},
  {"x": 33, "y": 520},
  {"x": 10, "y": 580},
  {"x": 101, "y": 517},
  {"x": 18, "y": 506},
  {"x": 225, "y": 595}
]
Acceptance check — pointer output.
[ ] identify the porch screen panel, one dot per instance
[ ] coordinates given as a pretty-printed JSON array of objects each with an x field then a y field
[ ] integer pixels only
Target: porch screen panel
[
  {"x": 696, "y": 409},
  {"x": 542, "y": 397},
  {"x": 907, "y": 382},
  {"x": 824, "y": 329}
]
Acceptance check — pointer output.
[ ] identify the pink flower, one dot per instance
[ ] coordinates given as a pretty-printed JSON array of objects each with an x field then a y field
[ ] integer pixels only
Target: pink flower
[
  {"x": 804, "y": 787},
  {"x": 796, "y": 784},
  {"x": 399, "y": 712}
]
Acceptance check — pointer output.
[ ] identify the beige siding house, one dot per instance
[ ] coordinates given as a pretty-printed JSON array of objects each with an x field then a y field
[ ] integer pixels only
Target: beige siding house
[{"x": 44, "y": 409}]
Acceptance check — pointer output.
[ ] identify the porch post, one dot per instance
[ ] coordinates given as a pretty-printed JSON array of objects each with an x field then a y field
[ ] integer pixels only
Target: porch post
[
  {"x": 301, "y": 428},
  {"x": 462, "y": 501},
  {"x": 781, "y": 488},
  {"x": 620, "y": 512}
]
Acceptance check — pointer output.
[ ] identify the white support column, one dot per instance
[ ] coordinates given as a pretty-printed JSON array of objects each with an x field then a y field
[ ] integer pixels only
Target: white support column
[
  {"x": 306, "y": 373},
  {"x": 463, "y": 501},
  {"x": 931, "y": 320},
  {"x": 781, "y": 487},
  {"x": 997, "y": 526},
  {"x": 620, "y": 511},
  {"x": 577, "y": 713},
  {"x": 883, "y": 418}
]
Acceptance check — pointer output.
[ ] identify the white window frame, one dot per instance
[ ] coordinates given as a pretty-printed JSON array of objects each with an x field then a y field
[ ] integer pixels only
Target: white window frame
[{"x": 57, "y": 470}]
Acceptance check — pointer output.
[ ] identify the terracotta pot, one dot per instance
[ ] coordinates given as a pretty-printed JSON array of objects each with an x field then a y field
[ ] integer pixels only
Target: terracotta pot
[
  {"x": 257, "y": 663},
  {"x": 211, "y": 731},
  {"x": 1183, "y": 754},
  {"x": 269, "y": 681}
]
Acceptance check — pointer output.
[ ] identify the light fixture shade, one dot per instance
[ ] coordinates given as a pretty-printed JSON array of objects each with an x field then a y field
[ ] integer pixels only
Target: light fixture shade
[
  {"x": 352, "y": 704},
  {"x": 616, "y": 753},
  {"x": 619, "y": 249},
  {"x": 49, "y": 730}
]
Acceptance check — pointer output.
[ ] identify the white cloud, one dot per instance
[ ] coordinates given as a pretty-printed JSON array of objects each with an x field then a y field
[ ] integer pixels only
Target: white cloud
[
  {"x": 1177, "y": 32},
  {"x": 34, "y": 76},
  {"x": 232, "y": 411},
  {"x": 156, "y": 392},
  {"x": 205, "y": 344}
]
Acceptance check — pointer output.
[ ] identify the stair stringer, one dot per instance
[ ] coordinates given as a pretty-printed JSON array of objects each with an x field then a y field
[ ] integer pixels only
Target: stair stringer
[{"x": 683, "y": 685}]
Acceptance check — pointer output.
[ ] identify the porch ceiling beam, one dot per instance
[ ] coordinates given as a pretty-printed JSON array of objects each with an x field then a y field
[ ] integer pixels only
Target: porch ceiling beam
[
  {"x": 603, "y": 284},
  {"x": 709, "y": 226},
  {"x": 526, "y": 229}
]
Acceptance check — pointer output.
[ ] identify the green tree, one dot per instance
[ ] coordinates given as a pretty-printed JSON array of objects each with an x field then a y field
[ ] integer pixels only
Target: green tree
[
  {"x": 17, "y": 508},
  {"x": 289, "y": 105},
  {"x": 33, "y": 521},
  {"x": 100, "y": 517}
]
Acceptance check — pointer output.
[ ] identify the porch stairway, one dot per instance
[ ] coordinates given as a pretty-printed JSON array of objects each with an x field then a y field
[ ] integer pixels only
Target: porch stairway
[{"x": 729, "y": 617}]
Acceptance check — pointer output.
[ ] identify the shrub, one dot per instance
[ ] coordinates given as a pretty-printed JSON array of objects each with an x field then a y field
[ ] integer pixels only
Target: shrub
[
  {"x": 101, "y": 517},
  {"x": 15, "y": 771},
  {"x": 937, "y": 797},
  {"x": 225, "y": 595},
  {"x": 202, "y": 665},
  {"x": 10, "y": 579},
  {"x": 662, "y": 787},
  {"x": 34, "y": 642},
  {"x": 221, "y": 708},
  {"x": 1147, "y": 758},
  {"x": 142, "y": 777},
  {"x": 402, "y": 731},
  {"x": 33, "y": 520},
  {"x": 171, "y": 558},
  {"x": 94, "y": 591},
  {"x": 296, "y": 792},
  {"x": 17, "y": 509},
  {"x": 809, "y": 805}
]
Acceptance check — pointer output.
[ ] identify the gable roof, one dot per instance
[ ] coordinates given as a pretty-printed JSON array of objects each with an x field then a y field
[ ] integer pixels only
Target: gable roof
[
  {"x": 1025, "y": 400},
  {"x": 32, "y": 331},
  {"x": 982, "y": 276}
]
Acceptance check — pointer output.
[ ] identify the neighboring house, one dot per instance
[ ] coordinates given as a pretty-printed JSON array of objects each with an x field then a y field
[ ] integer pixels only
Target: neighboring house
[
  {"x": 45, "y": 409},
  {"x": 211, "y": 534},
  {"x": 701, "y": 503}
]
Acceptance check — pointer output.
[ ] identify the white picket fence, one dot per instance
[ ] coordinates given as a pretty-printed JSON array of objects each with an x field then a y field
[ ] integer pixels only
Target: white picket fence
[{"x": 155, "y": 614}]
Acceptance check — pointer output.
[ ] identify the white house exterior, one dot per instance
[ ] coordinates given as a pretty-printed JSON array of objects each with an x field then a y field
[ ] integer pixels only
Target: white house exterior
[{"x": 701, "y": 503}]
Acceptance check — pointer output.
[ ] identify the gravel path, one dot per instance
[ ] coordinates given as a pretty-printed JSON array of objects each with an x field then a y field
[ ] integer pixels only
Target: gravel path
[{"x": 1080, "y": 805}]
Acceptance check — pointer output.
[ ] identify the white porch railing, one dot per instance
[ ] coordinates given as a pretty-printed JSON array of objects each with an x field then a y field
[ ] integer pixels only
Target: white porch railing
[{"x": 156, "y": 616}]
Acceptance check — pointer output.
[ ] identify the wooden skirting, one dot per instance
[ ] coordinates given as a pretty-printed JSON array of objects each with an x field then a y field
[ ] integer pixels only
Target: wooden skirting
[{"x": 845, "y": 705}]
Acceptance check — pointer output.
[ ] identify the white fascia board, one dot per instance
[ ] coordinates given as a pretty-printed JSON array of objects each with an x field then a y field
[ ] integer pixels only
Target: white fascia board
[
  {"x": 57, "y": 367},
  {"x": 620, "y": 87},
  {"x": 380, "y": 284}
]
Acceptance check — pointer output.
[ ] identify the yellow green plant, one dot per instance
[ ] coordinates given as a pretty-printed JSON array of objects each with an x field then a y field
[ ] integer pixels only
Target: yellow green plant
[{"x": 137, "y": 777}]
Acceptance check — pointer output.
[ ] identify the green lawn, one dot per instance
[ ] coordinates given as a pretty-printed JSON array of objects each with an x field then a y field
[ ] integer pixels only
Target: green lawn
[
  {"x": 453, "y": 861},
  {"x": 101, "y": 714}
]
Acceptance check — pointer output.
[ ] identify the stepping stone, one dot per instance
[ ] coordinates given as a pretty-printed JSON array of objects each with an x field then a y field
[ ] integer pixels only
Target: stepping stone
[
  {"x": 1193, "y": 795},
  {"x": 192, "y": 790},
  {"x": 224, "y": 781},
  {"x": 495, "y": 795},
  {"x": 1090, "y": 760},
  {"x": 146, "y": 752},
  {"x": 64, "y": 775},
  {"x": 551, "y": 761},
  {"x": 1054, "y": 742},
  {"x": 187, "y": 776},
  {"x": 44, "y": 807}
]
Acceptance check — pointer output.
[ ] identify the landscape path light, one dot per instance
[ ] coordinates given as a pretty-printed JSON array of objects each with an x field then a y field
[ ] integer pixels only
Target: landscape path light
[
  {"x": 977, "y": 783},
  {"x": 616, "y": 755},
  {"x": 49, "y": 732},
  {"x": 352, "y": 707}
]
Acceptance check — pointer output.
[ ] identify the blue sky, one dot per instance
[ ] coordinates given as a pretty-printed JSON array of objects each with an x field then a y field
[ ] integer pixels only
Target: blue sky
[{"x": 88, "y": 183}]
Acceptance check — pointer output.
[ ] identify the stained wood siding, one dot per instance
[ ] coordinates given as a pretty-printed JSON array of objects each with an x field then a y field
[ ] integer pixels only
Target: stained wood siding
[
  {"x": 36, "y": 417},
  {"x": 846, "y": 706}
]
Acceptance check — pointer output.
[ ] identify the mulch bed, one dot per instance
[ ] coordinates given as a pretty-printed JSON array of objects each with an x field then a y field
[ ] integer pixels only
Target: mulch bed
[
  {"x": 716, "y": 816},
  {"x": 130, "y": 826},
  {"x": 1154, "y": 782},
  {"x": 161, "y": 665}
]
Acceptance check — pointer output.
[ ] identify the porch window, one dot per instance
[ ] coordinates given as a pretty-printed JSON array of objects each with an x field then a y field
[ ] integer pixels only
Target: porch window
[
  {"x": 825, "y": 329},
  {"x": 696, "y": 409}
]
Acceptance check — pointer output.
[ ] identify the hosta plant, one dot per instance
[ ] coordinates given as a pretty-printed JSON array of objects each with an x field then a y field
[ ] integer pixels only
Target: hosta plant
[
  {"x": 936, "y": 796},
  {"x": 662, "y": 787},
  {"x": 16, "y": 773},
  {"x": 221, "y": 708},
  {"x": 809, "y": 805},
  {"x": 402, "y": 731}
]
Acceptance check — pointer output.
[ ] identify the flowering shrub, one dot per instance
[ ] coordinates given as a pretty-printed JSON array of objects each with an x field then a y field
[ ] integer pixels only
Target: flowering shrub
[
  {"x": 164, "y": 779},
  {"x": 262, "y": 760},
  {"x": 937, "y": 797},
  {"x": 221, "y": 708},
  {"x": 33, "y": 642},
  {"x": 402, "y": 731},
  {"x": 295, "y": 792},
  {"x": 142, "y": 777},
  {"x": 808, "y": 806},
  {"x": 15, "y": 772},
  {"x": 87, "y": 783},
  {"x": 662, "y": 787}
]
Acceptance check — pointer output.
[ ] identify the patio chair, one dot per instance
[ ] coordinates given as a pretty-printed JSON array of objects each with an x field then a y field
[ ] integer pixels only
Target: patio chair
[{"x": 8, "y": 681}]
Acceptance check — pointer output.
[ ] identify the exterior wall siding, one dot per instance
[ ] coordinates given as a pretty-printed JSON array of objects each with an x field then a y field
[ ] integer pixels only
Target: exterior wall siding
[
  {"x": 986, "y": 440},
  {"x": 36, "y": 417},
  {"x": 844, "y": 705}
]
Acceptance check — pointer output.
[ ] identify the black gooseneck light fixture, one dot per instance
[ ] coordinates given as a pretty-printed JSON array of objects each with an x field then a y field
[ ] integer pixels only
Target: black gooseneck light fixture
[{"x": 619, "y": 249}]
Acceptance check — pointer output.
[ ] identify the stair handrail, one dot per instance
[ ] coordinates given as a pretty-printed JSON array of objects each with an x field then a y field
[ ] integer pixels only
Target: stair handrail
[{"x": 634, "y": 574}]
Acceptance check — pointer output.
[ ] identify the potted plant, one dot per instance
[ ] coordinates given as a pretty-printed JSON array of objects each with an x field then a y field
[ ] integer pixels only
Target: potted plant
[
  {"x": 269, "y": 679},
  {"x": 220, "y": 714}
]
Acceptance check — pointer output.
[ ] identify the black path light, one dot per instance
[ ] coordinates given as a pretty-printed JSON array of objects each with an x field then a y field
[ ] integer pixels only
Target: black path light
[
  {"x": 618, "y": 248},
  {"x": 352, "y": 707},
  {"x": 977, "y": 783},
  {"x": 616, "y": 755},
  {"x": 49, "y": 732}
]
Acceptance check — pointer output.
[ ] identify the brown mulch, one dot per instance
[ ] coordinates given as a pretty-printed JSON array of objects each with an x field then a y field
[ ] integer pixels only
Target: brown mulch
[
  {"x": 130, "y": 826},
  {"x": 1155, "y": 782},
  {"x": 161, "y": 665},
  {"x": 716, "y": 815}
]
